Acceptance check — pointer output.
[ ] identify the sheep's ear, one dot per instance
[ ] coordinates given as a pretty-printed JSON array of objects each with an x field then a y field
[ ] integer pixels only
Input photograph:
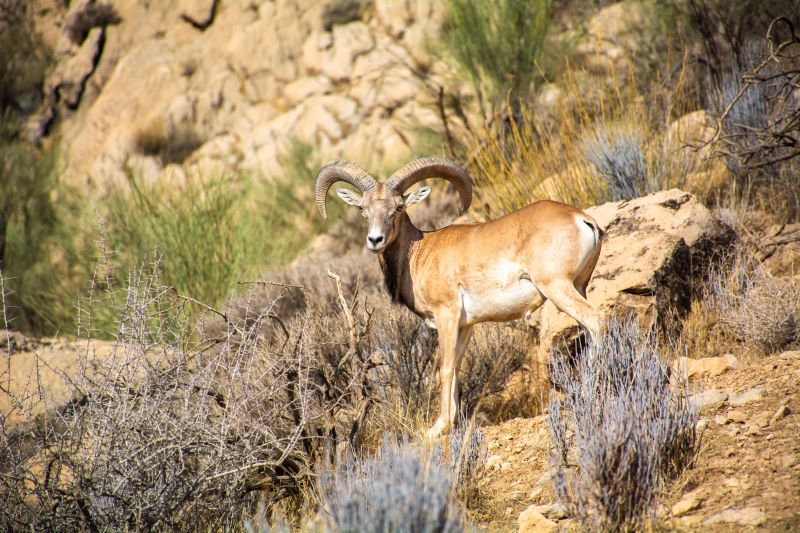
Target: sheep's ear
[
  {"x": 418, "y": 195},
  {"x": 349, "y": 197}
]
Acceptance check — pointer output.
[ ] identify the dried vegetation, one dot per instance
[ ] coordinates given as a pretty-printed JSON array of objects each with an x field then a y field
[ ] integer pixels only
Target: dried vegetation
[
  {"x": 189, "y": 427},
  {"x": 622, "y": 431}
]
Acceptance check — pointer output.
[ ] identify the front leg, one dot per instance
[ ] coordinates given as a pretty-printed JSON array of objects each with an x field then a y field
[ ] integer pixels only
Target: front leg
[{"x": 453, "y": 342}]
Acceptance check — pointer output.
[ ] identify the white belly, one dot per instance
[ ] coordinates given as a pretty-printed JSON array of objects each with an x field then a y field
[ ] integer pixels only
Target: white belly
[{"x": 498, "y": 304}]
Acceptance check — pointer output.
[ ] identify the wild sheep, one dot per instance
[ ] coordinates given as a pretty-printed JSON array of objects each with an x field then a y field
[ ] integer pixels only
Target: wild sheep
[{"x": 465, "y": 274}]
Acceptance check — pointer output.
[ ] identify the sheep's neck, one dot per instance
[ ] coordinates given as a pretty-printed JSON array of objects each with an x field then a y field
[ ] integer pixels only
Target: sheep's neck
[{"x": 395, "y": 261}]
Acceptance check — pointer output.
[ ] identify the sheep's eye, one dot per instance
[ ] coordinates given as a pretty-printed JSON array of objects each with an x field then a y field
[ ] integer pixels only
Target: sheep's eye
[{"x": 399, "y": 208}]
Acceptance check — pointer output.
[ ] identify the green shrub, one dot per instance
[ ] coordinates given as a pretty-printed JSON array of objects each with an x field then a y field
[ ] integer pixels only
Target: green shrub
[
  {"x": 498, "y": 44},
  {"x": 602, "y": 144},
  {"x": 198, "y": 230},
  {"x": 288, "y": 202},
  {"x": 23, "y": 61},
  {"x": 211, "y": 232},
  {"x": 39, "y": 244},
  {"x": 42, "y": 255}
]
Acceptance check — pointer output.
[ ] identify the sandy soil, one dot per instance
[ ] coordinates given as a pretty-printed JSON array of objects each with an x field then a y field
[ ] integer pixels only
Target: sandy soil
[{"x": 749, "y": 458}]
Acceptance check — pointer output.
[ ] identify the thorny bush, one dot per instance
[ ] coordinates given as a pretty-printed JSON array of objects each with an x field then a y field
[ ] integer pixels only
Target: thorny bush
[
  {"x": 185, "y": 426},
  {"x": 758, "y": 114},
  {"x": 172, "y": 432}
]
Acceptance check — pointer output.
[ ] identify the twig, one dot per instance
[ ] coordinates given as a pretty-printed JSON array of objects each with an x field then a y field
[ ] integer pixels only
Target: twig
[
  {"x": 443, "y": 116},
  {"x": 207, "y": 307},
  {"x": 261, "y": 464},
  {"x": 274, "y": 283},
  {"x": 5, "y": 325},
  {"x": 348, "y": 315}
]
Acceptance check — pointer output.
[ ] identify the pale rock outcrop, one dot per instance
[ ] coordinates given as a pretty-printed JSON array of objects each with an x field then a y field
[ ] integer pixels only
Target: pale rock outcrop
[
  {"x": 709, "y": 400},
  {"x": 349, "y": 42},
  {"x": 532, "y": 521},
  {"x": 655, "y": 254},
  {"x": 39, "y": 377},
  {"x": 746, "y": 516},
  {"x": 687, "y": 140},
  {"x": 336, "y": 75},
  {"x": 689, "y": 503},
  {"x": 706, "y": 366},
  {"x": 298, "y": 90}
]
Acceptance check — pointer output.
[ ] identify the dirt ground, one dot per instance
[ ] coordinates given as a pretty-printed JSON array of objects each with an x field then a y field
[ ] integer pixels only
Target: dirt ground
[{"x": 749, "y": 458}]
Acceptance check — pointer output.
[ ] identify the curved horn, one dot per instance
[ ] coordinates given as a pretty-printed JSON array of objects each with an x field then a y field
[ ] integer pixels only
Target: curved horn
[
  {"x": 432, "y": 167},
  {"x": 340, "y": 171}
]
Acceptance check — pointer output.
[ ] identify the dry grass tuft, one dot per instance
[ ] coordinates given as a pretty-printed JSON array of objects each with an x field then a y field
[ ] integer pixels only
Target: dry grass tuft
[
  {"x": 756, "y": 308},
  {"x": 405, "y": 487},
  {"x": 599, "y": 142}
]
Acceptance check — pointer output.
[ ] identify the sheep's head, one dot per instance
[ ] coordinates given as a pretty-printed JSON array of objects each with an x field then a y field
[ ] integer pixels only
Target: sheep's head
[{"x": 382, "y": 204}]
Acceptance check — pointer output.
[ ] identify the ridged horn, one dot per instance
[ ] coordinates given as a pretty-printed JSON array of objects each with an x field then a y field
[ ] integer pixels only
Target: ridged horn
[
  {"x": 432, "y": 167},
  {"x": 345, "y": 171}
]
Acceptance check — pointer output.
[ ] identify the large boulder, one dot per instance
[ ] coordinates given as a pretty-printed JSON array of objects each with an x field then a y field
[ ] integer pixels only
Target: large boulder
[{"x": 656, "y": 252}]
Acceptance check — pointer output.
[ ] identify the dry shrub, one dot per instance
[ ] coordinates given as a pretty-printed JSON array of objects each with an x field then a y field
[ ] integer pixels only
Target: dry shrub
[
  {"x": 173, "y": 433},
  {"x": 189, "y": 426},
  {"x": 723, "y": 29},
  {"x": 756, "y": 308},
  {"x": 620, "y": 162},
  {"x": 406, "y": 381},
  {"x": 405, "y": 487},
  {"x": 758, "y": 111},
  {"x": 603, "y": 143},
  {"x": 494, "y": 354},
  {"x": 702, "y": 334},
  {"x": 625, "y": 425}
]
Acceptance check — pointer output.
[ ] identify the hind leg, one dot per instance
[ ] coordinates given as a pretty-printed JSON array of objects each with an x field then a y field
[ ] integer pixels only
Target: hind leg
[
  {"x": 567, "y": 298},
  {"x": 571, "y": 300}
]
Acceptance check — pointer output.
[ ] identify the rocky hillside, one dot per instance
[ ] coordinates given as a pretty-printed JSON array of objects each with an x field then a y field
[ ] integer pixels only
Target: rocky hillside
[
  {"x": 182, "y": 85},
  {"x": 145, "y": 85},
  {"x": 746, "y": 475},
  {"x": 221, "y": 358}
]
